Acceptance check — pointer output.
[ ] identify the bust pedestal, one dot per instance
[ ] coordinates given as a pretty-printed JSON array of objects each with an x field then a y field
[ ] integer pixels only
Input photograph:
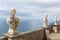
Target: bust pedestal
[
  {"x": 55, "y": 28},
  {"x": 47, "y": 30},
  {"x": 12, "y": 37}
]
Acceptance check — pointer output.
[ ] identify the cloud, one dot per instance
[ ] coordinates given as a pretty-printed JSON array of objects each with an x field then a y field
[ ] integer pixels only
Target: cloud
[
  {"x": 0, "y": 1},
  {"x": 53, "y": 9},
  {"x": 42, "y": 1},
  {"x": 32, "y": 8},
  {"x": 48, "y": 1},
  {"x": 29, "y": 3},
  {"x": 29, "y": 8},
  {"x": 3, "y": 7}
]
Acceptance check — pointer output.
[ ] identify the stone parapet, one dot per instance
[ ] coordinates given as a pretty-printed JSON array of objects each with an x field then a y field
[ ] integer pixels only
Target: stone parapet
[
  {"x": 3, "y": 38},
  {"x": 31, "y": 35}
]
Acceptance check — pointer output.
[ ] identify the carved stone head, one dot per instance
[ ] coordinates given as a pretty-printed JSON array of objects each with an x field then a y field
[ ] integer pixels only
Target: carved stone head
[{"x": 13, "y": 11}]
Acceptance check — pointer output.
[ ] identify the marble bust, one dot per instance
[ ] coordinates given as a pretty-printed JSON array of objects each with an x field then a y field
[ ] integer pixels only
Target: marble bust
[
  {"x": 55, "y": 20},
  {"x": 13, "y": 22},
  {"x": 45, "y": 20}
]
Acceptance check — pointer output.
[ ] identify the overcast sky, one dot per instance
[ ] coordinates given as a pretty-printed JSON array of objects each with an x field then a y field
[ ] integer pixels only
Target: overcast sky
[{"x": 32, "y": 8}]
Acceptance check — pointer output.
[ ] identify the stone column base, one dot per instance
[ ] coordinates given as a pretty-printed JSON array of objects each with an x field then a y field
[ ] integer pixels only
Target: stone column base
[{"x": 12, "y": 37}]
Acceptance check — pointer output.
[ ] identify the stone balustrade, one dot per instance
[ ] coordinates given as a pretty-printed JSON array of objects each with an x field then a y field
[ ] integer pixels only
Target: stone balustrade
[
  {"x": 31, "y": 35},
  {"x": 3, "y": 38}
]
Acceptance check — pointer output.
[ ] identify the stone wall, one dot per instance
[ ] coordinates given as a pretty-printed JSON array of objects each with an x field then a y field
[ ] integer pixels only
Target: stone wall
[
  {"x": 3, "y": 38},
  {"x": 33, "y": 35}
]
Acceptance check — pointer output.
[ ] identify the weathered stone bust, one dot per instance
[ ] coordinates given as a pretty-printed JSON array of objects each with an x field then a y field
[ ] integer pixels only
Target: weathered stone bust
[
  {"x": 45, "y": 20},
  {"x": 55, "y": 20},
  {"x": 13, "y": 22}
]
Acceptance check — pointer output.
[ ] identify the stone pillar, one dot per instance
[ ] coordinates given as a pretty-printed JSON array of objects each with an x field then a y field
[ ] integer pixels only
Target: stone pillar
[
  {"x": 13, "y": 22},
  {"x": 55, "y": 28},
  {"x": 47, "y": 30},
  {"x": 55, "y": 25}
]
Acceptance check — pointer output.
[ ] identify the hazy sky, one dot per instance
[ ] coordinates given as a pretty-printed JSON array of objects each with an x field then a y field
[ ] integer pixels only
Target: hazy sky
[{"x": 32, "y": 8}]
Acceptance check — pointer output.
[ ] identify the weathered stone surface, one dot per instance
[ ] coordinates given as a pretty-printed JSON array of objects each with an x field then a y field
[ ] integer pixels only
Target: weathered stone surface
[
  {"x": 54, "y": 36},
  {"x": 13, "y": 22},
  {"x": 35, "y": 35},
  {"x": 3, "y": 38},
  {"x": 31, "y": 35}
]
